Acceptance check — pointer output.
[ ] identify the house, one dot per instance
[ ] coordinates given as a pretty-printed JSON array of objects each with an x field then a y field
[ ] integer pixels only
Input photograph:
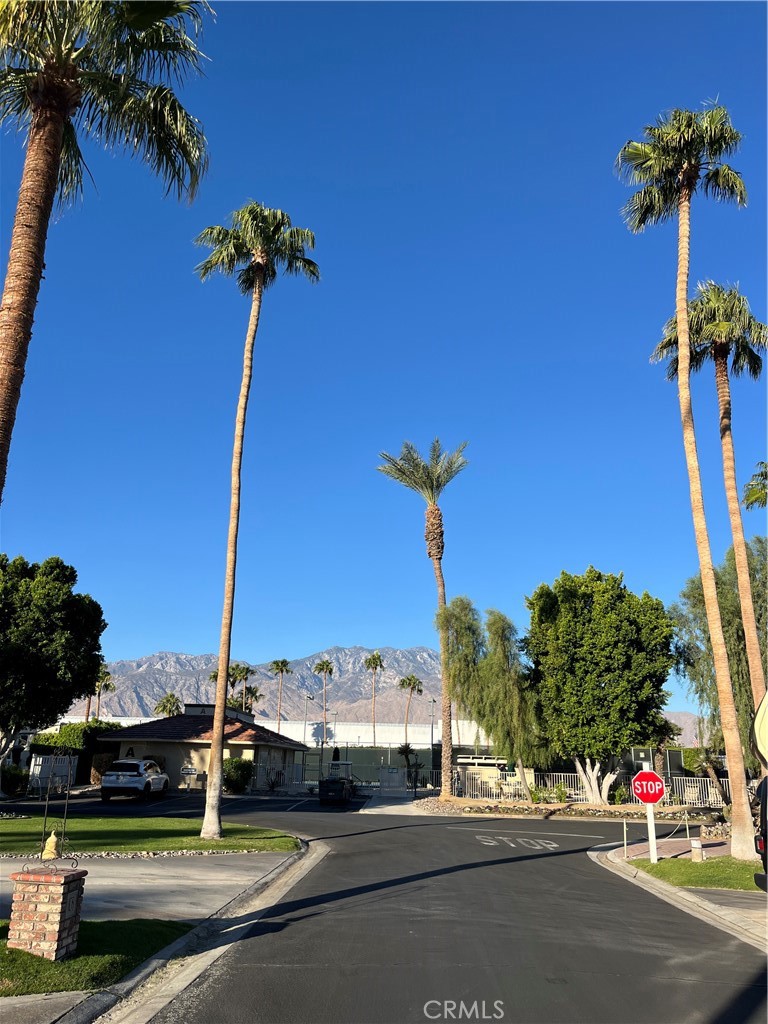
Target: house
[{"x": 184, "y": 742}]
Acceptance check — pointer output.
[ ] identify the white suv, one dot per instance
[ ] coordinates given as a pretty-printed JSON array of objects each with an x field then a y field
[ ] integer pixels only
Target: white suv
[{"x": 133, "y": 777}]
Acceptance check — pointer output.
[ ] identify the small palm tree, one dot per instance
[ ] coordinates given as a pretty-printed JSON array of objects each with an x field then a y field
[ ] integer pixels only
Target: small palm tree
[
  {"x": 104, "y": 685},
  {"x": 324, "y": 668},
  {"x": 411, "y": 684},
  {"x": 169, "y": 705},
  {"x": 258, "y": 245},
  {"x": 73, "y": 70},
  {"x": 679, "y": 155},
  {"x": 245, "y": 700},
  {"x": 373, "y": 664},
  {"x": 722, "y": 327},
  {"x": 429, "y": 478},
  {"x": 280, "y": 667},
  {"x": 756, "y": 488}
]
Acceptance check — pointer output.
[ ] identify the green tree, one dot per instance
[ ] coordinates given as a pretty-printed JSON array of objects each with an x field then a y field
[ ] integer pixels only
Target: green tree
[
  {"x": 169, "y": 705},
  {"x": 600, "y": 657},
  {"x": 695, "y": 649},
  {"x": 679, "y": 155},
  {"x": 325, "y": 669},
  {"x": 280, "y": 667},
  {"x": 246, "y": 699},
  {"x": 429, "y": 478},
  {"x": 78, "y": 69},
  {"x": 258, "y": 245},
  {"x": 722, "y": 327},
  {"x": 412, "y": 685},
  {"x": 104, "y": 685},
  {"x": 373, "y": 664},
  {"x": 50, "y": 644},
  {"x": 756, "y": 488}
]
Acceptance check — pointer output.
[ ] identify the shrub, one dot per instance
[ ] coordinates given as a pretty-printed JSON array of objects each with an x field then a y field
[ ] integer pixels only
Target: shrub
[
  {"x": 99, "y": 765},
  {"x": 561, "y": 793},
  {"x": 237, "y": 774},
  {"x": 620, "y": 794},
  {"x": 72, "y": 737},
  {"x": 14, "y": 780}
]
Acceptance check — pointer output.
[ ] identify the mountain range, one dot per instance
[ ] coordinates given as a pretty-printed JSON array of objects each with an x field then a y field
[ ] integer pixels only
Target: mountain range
[{"x": 140, "y": 684}]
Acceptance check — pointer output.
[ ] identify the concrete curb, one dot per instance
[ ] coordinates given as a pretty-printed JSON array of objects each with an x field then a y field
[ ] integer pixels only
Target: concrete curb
[
  {"x": 606, "y": 855},
  {"x": 97, "y": 1003}
]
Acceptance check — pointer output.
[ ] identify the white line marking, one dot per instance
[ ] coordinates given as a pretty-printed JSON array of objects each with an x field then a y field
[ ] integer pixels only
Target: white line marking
[
  {"x": 528, "y": 832},
  {"x": 306, "y": 800}
]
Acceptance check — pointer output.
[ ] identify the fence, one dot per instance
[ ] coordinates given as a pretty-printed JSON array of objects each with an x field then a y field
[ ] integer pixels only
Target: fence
[{"x": 58, "y": 771}]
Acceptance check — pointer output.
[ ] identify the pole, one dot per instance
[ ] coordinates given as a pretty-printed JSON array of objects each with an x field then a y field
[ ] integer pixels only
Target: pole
[
  {"x": 625, "y": 839},
  {"x": 651, "y": 833}
]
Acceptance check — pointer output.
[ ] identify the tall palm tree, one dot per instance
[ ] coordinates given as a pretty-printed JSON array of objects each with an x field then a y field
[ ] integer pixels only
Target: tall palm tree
[
  {"x": 722, "y": 327},
  {"x": 260, "y": 243},
  {"x": 241, "y": 673},
  {"x": 73, "y": 70},
  {"x": 756, "y": 488},
  {"x": 411, "y": 684},
  {"x": 280, "y": 667},
  {"x": 325, "y": 669},
  {"x": 104, "y": 685},
  {"x": 429, "y": 478},
  {"x": 245, "y": 700},
  {"x": 679, "y": 155},
  {"x": 373, "y": 664},
  {"x": 168, "y": 706}
]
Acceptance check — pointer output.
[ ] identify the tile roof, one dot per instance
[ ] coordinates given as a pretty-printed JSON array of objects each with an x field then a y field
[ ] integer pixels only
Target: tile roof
[{"x": 198, "y": 728}]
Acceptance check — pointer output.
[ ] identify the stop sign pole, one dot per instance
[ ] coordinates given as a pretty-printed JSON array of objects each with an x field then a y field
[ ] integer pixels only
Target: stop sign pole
[{"x": 648, "y": 788}]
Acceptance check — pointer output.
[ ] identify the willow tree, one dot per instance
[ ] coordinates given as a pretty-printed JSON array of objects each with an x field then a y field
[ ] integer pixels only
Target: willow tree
[
  {"x": 75, "y": 70},
  {"x": 723, "y": 329},
  {"x": 259, "y": 243},
  {"x": 429, "y": 478},
  {"x": 373, "y": 664},
  {"x": 280, "y": 667},
  {"x": 678, "y": 156}
]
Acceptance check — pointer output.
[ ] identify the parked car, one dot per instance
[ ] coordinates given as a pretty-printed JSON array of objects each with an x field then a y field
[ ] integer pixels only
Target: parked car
[{"x": 133, "y": 777}]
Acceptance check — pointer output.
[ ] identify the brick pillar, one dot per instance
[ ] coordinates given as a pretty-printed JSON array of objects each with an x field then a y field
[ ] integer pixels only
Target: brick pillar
[{"x": 45, "y": 917}]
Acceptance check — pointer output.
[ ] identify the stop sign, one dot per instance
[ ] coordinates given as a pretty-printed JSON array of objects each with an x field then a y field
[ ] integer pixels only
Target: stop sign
[{"x": 648, "y": 787}]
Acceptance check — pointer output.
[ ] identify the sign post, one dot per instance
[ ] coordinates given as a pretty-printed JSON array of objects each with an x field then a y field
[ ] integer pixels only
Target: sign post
[{"x": 648, "y": 788}]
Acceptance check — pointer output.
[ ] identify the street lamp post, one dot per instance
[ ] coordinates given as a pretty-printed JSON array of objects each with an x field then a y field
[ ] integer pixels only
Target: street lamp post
[{"x": 307, "y": 697}]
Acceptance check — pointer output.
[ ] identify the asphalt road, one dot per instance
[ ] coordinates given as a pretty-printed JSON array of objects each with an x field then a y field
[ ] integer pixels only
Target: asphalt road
[{"x": 416, "y": 919}]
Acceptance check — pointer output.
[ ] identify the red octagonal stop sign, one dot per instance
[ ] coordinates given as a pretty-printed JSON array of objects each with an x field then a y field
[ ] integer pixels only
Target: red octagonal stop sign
[{"x": 648, "y": 787}]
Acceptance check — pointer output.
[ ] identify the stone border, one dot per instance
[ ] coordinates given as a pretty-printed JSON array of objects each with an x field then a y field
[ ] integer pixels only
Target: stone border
[{"x": 721, "y": 917}]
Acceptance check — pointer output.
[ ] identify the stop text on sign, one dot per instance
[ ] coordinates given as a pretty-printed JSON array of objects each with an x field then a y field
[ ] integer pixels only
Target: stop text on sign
[{"x": 648, "y": 787}]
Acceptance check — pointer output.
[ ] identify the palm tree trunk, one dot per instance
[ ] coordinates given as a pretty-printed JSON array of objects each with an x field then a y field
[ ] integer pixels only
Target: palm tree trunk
[
  {"x": 407, "y": 713},
  {"x": 446, "y": 760},
  {"x": 742, "y": 832},
  {"x": 25, "y": 265},
  {"x": 88, "y": 708},
  {"x": 756, "y": 675},
  {"x": 279, "y": 700},
  {"x": 212, "y": 821},
  {"x": 98, "y": 705},
  {"x": 373, "y": 706},
  {"x": 325, "y": 710}
]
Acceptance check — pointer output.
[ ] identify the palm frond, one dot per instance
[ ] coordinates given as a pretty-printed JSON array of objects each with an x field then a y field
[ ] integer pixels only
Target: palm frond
[
  {"x": 653, "y": 204},
  {"x": 429, "y": 479},
  {"x": 725, "y": 185}
]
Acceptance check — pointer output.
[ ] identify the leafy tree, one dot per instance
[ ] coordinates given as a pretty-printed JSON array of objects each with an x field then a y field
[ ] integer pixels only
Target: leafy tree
[
  {"x": 169, "y": 705},
  {"x": 325, "y": 669},
  {"x": 600, "y": 656},
  {"x": 50, "y": 644},
  {"x": 412, "y": 685},
  {"x": 695, "y": 649},
  {"x": 373, "y": 664},
  {"x": 756, "y": 488},
  {"x": 679, "y": 155},
  {"x": 429, "y": 479},
  {"x": 722, "y": 327},
  {"x": 104, "y": 685},
  {"x": 280, "y": 667},
  {"x": 80, "y": 69},
  {"x": 259, "y": 243}
]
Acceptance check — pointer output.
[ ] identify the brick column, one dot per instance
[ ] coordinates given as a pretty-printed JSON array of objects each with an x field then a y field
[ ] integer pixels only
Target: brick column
[{"x": 45, "y": 917}]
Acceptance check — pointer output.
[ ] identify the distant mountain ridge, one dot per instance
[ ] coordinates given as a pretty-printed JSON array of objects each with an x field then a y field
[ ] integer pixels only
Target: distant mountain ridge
[{"x": 140, "y": 684}]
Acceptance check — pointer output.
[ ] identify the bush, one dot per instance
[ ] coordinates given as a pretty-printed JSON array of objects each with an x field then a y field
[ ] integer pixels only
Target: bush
[
  {"x": 620, "y": 794},
  {"x": 72, "y": 737},
  {"x": 14, "y": 780},
  {"x": 99, "y": 765},
  {"x": 237, "y": 774}
]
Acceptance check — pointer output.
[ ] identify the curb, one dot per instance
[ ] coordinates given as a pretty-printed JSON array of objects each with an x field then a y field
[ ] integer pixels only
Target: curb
[
  {"x": 100, "y": 1002},
  {"x": 721, "y": 917}
]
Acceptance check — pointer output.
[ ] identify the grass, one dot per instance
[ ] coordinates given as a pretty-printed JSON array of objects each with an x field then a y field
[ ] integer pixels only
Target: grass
[
  {"x": 131, "y": 835},
  {"x": 106, "y": 952},
  {"x": 716, "y": 873}
]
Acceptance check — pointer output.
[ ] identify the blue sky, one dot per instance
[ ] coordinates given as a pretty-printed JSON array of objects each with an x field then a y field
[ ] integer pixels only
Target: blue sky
[{"x": 456, "y": 164}]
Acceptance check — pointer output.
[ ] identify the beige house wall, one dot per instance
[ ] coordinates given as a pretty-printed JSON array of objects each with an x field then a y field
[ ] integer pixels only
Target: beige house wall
[{"x": 173, "y": 756}]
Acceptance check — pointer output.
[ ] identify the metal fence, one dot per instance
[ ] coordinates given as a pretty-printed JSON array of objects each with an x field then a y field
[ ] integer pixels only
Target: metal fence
[{"x": 49, "y": 772}]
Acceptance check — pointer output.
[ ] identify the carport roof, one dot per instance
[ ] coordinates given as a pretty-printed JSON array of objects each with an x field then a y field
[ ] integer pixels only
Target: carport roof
[{"x": 198, "y": 729}]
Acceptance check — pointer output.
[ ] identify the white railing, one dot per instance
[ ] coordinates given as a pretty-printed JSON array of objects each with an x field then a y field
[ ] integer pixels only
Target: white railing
[{"x": 58, "y": 771}]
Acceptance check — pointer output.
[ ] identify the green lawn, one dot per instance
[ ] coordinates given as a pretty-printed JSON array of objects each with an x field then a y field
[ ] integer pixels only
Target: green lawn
[
  {"x": 716, "y": 873},
  {"x": 106, "y": 952},
  {"x": 125, "y": 835}
]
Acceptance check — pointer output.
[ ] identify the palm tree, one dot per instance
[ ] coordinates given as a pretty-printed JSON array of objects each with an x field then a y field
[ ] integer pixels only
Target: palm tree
[
  {"x": 169, "y": 705},
  {"x": 241, "y": 673},
  {"x": 280, "y": 667},
  {"x": 411, "y": 684},
  {"x": 73, "y": 70},
  {"x": 756, "y": 488},
  {"x": 429, "y": 479},
  {"x": 722, "y": 327},
  {"x": 680, "y": 154},
  {"x": 259, "y": 244},
  {"x": 324, "y": 668},
  {"x": 104, "y": 685},
  {"x": 245, "y": 701},
  {"x": 373, "y": 664}
]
